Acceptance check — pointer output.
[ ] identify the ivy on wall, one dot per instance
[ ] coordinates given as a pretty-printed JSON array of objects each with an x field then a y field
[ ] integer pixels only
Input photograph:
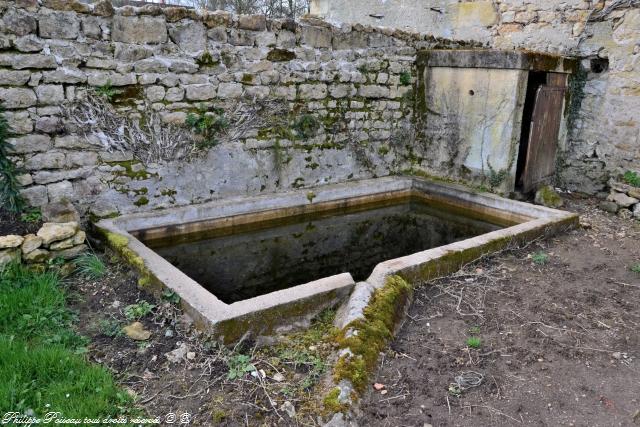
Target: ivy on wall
[{"x": 10, "y": 197}]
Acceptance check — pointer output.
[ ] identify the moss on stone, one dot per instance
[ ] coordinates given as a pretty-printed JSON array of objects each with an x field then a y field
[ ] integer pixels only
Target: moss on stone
[
  {"x": 206, "y": 60},
  {"x": 365, "y": 338},
  {"x": 129, "y": 172},
  {"x": 280, "y": 55},
  {"x": 142, "y": 201},
  {"x": 332, "y": 403}
]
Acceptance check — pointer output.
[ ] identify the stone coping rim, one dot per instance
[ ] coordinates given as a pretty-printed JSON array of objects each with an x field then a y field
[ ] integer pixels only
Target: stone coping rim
[{"x": 214, "y": 311}]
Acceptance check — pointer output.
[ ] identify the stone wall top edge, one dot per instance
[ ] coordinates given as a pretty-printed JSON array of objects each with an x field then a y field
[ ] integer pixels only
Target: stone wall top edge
[{"x": 104, "y": 8}]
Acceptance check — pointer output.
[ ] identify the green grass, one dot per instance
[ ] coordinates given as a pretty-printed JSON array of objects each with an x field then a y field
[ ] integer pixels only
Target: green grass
[
  {"x": 42, "y": 367},
  {"x": 90, "y": 266},
  {"x": 635, "y": 268},
  {"x": 474, "y": 342},
  {"x": 540, "y": 258},
  {"x": 631, "y": 178}
]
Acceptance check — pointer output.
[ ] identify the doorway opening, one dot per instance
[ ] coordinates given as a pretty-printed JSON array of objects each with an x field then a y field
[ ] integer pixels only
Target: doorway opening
[{"x": 541, "y": 118}]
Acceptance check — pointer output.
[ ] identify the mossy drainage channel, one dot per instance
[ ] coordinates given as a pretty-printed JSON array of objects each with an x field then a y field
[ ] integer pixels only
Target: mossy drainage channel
[{"x": 281, "y": 310}]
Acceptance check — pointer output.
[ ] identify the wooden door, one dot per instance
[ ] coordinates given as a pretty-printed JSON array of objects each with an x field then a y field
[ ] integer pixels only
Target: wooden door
[{"x": 542, "y": 148}]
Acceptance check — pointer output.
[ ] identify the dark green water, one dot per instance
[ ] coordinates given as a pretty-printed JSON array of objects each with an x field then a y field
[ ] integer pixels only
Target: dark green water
[{"x": 251, "y": 263}]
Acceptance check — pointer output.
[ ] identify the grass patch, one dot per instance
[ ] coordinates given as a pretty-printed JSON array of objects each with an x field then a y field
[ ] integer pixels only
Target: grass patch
[
  {"x": 90, "y": 266},
  {"x": 42, "y": 368},
  {"x": 631, "y": 178},
  {"x": 540, "y": 258},
  {"x": 474, "y": 342},
  {"x": 635, "y": 268}
]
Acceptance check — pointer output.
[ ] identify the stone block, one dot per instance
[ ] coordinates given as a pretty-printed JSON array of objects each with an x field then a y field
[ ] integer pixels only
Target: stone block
[
  {"x": 9, "y": 256},
  {"x": 29, "y": 43},
  {"x": 373, "y": 91},
  {"x": 316, "y": 36},
  {"x": 36, "y": 256},
  {"x": 50, "y": 176},
  {"x": 17, "y": 97},
  {"x": 60, "y": 191},
  {"x": 65, "y": 75},
  {"x": 18, "y": 22},
  {"x": 154, "y": 93},
  {"x": 49, "y": 124},
  {"x": 101, "y": 78},
  {"x": 252, "y": 22},
  {"x": 350, "y": 40},
  {"x": 31, "y": 243},
  {"x": 50, "y": 160},
  {"x": 200, "y": 92},
  {"x": 82, "y": 158},
  {"x": 131, "y": 52},
  {"x": 190, "y": 36},
  {"x": 14, "y": 78},
  {"x": 102, "y": 63},
  {"x": 230, "y": 90},
  {"x": 58, "y": 25},
  {"x": 139, "y": 29},
  {"x": 174, "y": 94},
  {"x": 312, "y": 91},
  {"x": 10, "y": 241},
  {"x": 151, "y": 65},
  {"x": 19, "y": 122},
  {"x": 35, "y": 195},
  {"x": 50, "y": 94}
]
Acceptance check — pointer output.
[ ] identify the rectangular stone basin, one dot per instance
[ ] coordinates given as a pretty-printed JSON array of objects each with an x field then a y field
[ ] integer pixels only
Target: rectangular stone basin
[{"x": 266, "y": 264}]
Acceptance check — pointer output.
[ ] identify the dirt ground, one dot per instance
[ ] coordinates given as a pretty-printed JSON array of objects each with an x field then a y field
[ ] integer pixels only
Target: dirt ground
[
  {"x": 195, "y": 387},
  {"x": 558, "y": 335}
]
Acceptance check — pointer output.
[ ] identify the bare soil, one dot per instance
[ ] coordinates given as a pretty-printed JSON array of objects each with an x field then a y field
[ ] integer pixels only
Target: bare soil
[
  {"x": 11, "y": 223},
  {"x": 559, "y": 337}
]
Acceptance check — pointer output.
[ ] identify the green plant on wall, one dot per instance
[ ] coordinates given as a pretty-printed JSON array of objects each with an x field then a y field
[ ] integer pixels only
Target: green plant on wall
[
  {"x": 577, "y": 81},
  {"x": 306, "y": 126},
  {"x": 405, "y": 78},
  {"x": 106, "y": 90},
  {"x": 208, "y": 123},
  {"x": 496, "y": 178},
  {"x": 10, "y": 197}
]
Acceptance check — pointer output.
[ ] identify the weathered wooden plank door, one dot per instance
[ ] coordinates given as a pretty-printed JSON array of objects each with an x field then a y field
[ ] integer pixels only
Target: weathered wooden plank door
[{"x": 540, "y": 165}]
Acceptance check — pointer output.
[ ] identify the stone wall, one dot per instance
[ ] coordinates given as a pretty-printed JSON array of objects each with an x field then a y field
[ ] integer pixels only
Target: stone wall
[
  {"x": 604, "y": 139},
  {"x": 307, "y": 103}
]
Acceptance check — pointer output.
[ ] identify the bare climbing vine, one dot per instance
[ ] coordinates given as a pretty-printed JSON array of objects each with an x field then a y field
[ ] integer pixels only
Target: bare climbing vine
[
  {"x": 599, "y": 14},
  {"x": 146, "y": 137}
]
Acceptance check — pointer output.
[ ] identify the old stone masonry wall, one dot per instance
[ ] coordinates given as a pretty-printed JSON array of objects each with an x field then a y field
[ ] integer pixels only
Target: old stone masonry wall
[
  {"x": 604, "y": 139},
  {"x": 129, "y": 109}
]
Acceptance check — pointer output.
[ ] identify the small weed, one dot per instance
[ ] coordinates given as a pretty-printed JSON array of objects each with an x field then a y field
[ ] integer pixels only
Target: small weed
[
  {"x": 405, "y": 78},
  {"x": 106, "y": 91},
  {"x": 110, "y": 327},
  {"x": 32, "y": 215},
  {"x": 455, "y": 390},
  {"x": 208, "y": 124},
  {"x": 635, "y": 268},
  {"x": 496, "y": 177},
  {"x": 474, "y": 342},
  {"x": 306, "y": 126},
  {"x": 540, "y": 258},
  {"x": 239, "y": 365},
  {"x": 171, "y": 296},
  {"x": 90, "y": 266},
  {"x": 310, "y": 196},
  {"x": 138, "y": 310},
  {"x": 631, "y": 178},
  {"x": 10, "y": 197}
]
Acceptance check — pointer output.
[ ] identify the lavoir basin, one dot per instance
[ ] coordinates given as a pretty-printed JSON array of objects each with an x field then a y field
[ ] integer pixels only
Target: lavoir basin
[{"x": 266, "y": 264}]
